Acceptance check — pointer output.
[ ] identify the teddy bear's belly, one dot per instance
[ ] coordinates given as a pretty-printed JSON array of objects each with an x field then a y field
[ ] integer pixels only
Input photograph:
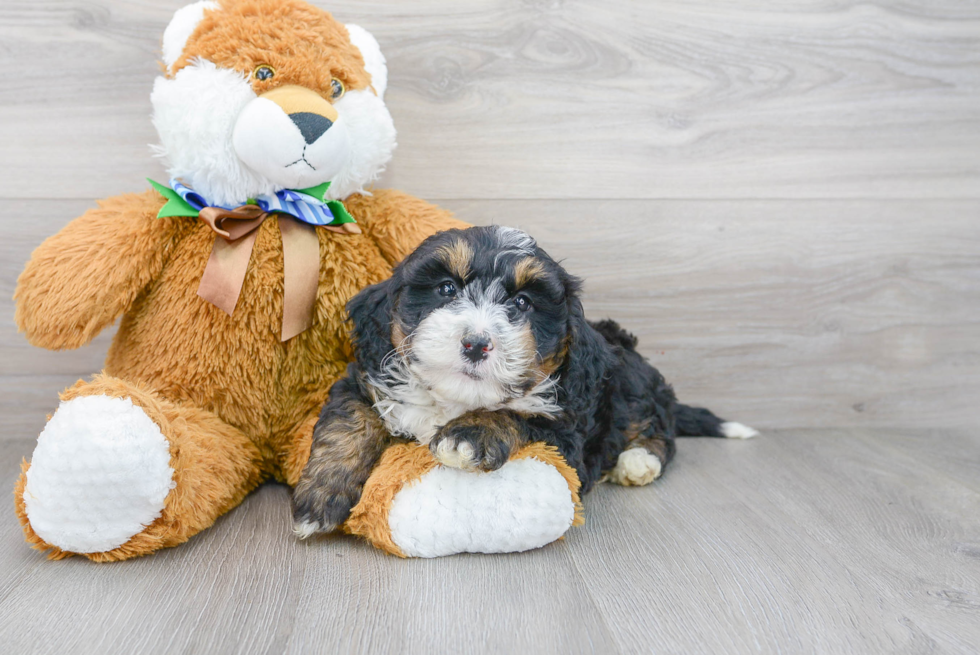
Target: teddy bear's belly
[{"x": 189, "y": 351}]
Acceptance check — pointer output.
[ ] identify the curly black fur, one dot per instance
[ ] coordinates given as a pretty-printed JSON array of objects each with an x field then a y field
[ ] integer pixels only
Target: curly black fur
[{"x": 610, "y": 397}]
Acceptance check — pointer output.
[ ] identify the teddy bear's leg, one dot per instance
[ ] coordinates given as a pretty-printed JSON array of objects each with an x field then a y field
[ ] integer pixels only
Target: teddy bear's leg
[
  {"x": 296, "y": 451},
  {"x": 414, "y": 507},
  {"x": 119, "y": 472}
]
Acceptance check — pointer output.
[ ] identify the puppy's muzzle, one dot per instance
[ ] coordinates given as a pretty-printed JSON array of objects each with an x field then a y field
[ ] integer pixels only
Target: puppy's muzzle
[{"x": 477, "y": 347}]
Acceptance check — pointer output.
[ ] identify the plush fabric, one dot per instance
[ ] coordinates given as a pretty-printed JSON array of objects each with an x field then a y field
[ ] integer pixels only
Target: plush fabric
[
  {"x": 196, "y": 407},
  {"x": 414, "y": 507},
  {"x": 240, "y": 404},
  {"x": 121, "y": 487}
]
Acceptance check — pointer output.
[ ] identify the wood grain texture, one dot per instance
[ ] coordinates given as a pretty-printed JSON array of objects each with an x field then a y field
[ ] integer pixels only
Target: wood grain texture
[
  {"x": 829, "y": 541},
  {"x": 781, "y": 199},
  {"x": 776, "y": 313},
  {"x": 557, "y": 98},
  {"x": 832, "y": 542}
]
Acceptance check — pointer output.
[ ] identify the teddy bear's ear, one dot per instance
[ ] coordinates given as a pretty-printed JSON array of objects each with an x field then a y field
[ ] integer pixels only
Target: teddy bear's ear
[
  {"x": 181, "y": 27},
  {"x": 374, "y": 61}
]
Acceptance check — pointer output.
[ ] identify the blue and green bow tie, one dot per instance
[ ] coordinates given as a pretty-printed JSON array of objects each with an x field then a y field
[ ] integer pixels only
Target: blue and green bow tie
[{"x": 307, "y": 205}]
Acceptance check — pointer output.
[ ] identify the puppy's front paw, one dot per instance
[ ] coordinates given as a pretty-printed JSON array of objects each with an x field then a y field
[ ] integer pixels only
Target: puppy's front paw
[
  {"x": 320, "y": 513},
  {"x": 469, "y": 447}
]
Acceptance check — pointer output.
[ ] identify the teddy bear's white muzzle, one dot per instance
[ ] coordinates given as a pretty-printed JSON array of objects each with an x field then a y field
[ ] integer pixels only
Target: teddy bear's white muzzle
[{"x": 293, "y": 151}]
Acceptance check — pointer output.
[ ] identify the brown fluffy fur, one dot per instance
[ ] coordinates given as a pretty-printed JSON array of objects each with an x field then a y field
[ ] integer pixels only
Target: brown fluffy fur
[
  {"x": 236, "y": 404},
  {"x": 299, "y": 41}
]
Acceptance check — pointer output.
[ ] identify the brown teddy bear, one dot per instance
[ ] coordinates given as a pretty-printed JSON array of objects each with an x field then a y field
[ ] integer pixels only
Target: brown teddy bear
[{"x": 231, "y": 282}]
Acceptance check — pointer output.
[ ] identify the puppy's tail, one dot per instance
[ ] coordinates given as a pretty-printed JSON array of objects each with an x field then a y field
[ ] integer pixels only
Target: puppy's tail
[{"x": 700, "y": 422}]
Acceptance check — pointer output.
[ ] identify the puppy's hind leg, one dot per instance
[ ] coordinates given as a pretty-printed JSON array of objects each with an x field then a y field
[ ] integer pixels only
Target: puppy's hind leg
[{"x": 642, "y": 462}]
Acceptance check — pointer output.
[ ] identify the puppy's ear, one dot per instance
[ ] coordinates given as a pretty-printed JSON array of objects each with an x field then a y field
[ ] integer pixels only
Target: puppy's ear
[
  {"x": 588, "y": 358},
  {"x": 370, "y": 315}
]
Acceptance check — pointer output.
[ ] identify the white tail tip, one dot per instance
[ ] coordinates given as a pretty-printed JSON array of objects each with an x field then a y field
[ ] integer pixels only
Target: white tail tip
[{"x": 733, "y": 430}]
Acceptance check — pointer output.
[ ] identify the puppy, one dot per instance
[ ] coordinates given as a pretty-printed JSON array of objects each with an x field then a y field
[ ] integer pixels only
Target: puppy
[{"x": 477, "y": 345}]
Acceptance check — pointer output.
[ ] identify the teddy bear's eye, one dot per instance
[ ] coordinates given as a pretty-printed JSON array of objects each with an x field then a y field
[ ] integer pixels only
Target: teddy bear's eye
[
  {"x": 263, "y": 72},
  {"x": 336, "y": 89}
]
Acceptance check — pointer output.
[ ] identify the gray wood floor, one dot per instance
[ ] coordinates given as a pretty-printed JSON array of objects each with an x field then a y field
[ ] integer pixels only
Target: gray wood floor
[
  {"x": 844, "y": 541},
  {"x": 781, "y": 199}
]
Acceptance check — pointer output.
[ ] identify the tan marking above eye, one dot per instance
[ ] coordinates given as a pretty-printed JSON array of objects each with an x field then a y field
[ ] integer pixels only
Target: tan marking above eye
[
  {"x": 457, "y": 257},
  {"x": 527, "y": 270}
]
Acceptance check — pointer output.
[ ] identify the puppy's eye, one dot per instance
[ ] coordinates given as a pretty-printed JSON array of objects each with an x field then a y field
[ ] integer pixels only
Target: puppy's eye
[
  {"x": 336, "y": 89},
  {"x": 264, "y": 72},
  {"x": 447, "y": 290},
  {"x": 522, "y": 302}
]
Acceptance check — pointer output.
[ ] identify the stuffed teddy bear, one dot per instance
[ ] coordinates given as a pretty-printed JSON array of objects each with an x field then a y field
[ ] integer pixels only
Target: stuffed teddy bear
[{"x": 230, "y": 280}]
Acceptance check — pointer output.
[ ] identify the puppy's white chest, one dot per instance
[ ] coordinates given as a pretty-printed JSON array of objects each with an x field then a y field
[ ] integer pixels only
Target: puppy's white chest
[
  {"x": 418, "y": 422},
  {"x": 413, "y": 407},
  {"x": 414, "y": 413},
  {"x": 410, "y": 410}
]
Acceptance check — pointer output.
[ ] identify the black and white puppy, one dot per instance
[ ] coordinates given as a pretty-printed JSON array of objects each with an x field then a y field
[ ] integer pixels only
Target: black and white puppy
[{"x": 477, "y": 345}]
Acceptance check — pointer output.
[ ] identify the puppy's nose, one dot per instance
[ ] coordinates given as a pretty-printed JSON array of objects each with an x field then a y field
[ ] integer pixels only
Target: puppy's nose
[
  {"x": 311, "y": 125},
  {"x": 476, "y": 347}
]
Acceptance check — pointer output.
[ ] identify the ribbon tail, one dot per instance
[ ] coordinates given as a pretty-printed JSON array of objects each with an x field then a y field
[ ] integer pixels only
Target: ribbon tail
[
  {"x": 224, "y": 275},
  {"x": 301, "y": 275}
]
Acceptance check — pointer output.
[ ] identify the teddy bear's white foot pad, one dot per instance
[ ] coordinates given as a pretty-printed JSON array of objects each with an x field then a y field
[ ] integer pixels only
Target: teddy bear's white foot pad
[
  {"x": 100, "y": 474},
  {"x": 524, "y": 504}
]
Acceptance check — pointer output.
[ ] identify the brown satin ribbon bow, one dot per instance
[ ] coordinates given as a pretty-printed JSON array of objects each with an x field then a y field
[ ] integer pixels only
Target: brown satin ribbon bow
[{"x": 224, "y": 275}]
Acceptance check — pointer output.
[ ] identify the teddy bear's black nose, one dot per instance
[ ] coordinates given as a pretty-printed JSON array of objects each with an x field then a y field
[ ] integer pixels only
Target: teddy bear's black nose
[{"x": 312, "y": 126}]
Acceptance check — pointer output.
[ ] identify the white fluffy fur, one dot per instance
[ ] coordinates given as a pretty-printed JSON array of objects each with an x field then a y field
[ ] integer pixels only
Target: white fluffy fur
[
  {"x": 271, "y": 145},
  {"x": 181, "y": 26},
  {"x": 99, "y": 475},
  {"x": 409, "y": 408},
  {"x": 196, "y": 113},
  {"x": 435, "y": 344},
  {"x": 524, "y": 504},
  {"x": 733, "y": 430},
  {"x": 513, "y": 239},
  {"x": 428, "y": 383},
  {"x": 306, "y": 529},
  {"x": 421, "y": 392},
  {"x": 374, "y": 60},
  {"x": 371, "y": 131},
  {"x": 635, "y": 468}
]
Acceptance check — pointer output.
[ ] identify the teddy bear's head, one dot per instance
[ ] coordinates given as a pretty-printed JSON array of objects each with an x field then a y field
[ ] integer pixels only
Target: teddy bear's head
[{"x": 263, "y": 95}]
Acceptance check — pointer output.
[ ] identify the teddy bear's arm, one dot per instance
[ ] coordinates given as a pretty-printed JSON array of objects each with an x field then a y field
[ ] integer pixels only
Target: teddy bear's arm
[
  {"x": 81, "y": 279},
  {"x": 398, "y": 222}
]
